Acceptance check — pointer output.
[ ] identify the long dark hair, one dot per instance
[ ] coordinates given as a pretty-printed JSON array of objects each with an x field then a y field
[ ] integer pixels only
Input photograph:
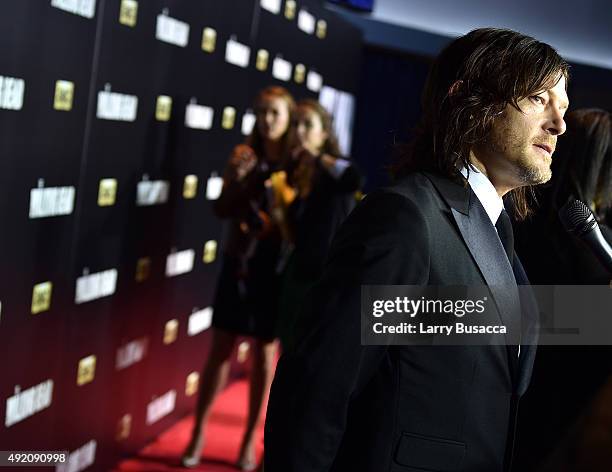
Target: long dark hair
[
  {"x": 582, "y": 166},
  {"x": 331, "y": 145},
  {"x": 255, "y": 140},
  {"x": 486, "y": 69}
]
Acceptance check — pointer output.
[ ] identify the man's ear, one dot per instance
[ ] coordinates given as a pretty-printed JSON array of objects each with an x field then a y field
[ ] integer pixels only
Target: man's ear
[{"x": 454, "y": 88}]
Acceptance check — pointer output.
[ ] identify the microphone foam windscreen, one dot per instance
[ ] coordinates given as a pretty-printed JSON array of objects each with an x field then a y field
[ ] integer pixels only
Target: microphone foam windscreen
[{"x": 577, "y": 217}]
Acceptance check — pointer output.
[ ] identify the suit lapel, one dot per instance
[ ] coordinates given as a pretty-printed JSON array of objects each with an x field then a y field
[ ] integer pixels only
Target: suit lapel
[
  {"x": 481, "y": 239},
  {"x": 488, "y": 253}
]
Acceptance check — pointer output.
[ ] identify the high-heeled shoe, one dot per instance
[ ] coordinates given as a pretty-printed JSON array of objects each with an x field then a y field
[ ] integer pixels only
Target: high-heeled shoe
[
  {"x": 191, "y": 455},
  {"x": 189, "y": 462},
  {"x": 246, "y": 465}
]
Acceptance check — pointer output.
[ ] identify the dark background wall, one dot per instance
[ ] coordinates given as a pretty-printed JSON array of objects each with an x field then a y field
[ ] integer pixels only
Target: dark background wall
[{"x": 103, "y": 364}]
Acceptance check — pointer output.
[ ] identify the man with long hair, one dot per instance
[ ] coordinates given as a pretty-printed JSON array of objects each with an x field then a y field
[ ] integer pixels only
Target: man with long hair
[{"x": 493, "y": 108}]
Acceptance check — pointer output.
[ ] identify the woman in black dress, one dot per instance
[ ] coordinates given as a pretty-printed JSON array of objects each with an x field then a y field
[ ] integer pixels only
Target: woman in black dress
[
  {"x": 326, "y": 185},
  {"x": 247, "y": 291}
]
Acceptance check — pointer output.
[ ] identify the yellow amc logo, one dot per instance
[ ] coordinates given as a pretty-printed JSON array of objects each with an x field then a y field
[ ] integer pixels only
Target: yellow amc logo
[
  {"x": 229, "y": 117},
  {"x": 143, "y": 269},
  {"x": 209, "y": 39},
  {"x": 261, "y": 63},
  {"x": 107, "y": 192},
  {"x": 299, "y": 73},
  {"x": 64, "y": 95},
  {"x": 190, "y": 186},
  {"x": 87, "y": 370},
  {"x": 171, "y": 331},
  {"x": 128, "y": 12},
  {"x": 163, "y": 108},
  {"x": 321, "y": 29},
  {"x": 124, "y": 426},
  {"x": 290, "y": 8},
  {"x": 41, "y": 297},
  {"x": 191, "y": 385},
  {"x": 210, "y": 251}
]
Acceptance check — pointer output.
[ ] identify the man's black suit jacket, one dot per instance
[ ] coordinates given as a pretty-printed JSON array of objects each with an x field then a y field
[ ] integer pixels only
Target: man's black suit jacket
[{"x": 339, "y": 406}]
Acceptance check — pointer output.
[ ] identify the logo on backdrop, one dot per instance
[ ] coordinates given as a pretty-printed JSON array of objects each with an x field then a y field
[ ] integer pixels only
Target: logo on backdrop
[
  {"x": 314, "y": 81},
  {"x": 131, "y": 353},
  {"x": 290, "y": 9},
  {"x": 321, "y": 29},
  {"x": 191, "y": 384},
  {"x": 12, "y": 91},
  {"x": 128, "y": 13},
  {"x": 181, "y": 262},
  {"x": 107, "y": 192},
  {"x": 163, "y": 108},
  {"x": 273, "y": 6},
  {"x": 299, "y": 73},
  {"x": 124, "y": 427},
  {"x": 152, "y": 192},
  {"x": 87, "y": 370},
  {"x": 210, "y": 251},
  {"x": 198, "y": 116},
  {"x": 229, "y": 118},
  {"x": 41, "y": 297},
  {"x": 248, "y": 122},
  {"x": 64, "y": 95},
  {"x": 190, "y": 186},
  {"x": 237, "y": 53},
  {"x": 199, "y": 320},
  {"x": 161, "y": 406},
  {"x": 170, "y": 30},
  {"x": 24, "y": 404},
  {"x": 209, "y": 39},
  {"x": 51, "y": 201},
  {"x": 85, "y": 8},
  {"x": 281, "y": 69},
  {"x": 93, "y": 286},
  {"x": 80, "y": 459},
  {"x": 261, "y": 60},
  {"x": 116, "y": 106},
  {"x": 143, "y": 269},
  {"x": 214, "y": 186},
  {"x": 306, "y": 22},
  {"x": 171, "y": 331}
]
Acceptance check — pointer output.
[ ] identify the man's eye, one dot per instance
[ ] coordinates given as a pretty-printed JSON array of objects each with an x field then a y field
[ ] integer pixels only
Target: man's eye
[{"x": 538, "y": 99}]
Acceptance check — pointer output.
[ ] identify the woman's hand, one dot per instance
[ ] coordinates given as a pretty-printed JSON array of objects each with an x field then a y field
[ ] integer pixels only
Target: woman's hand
[
  {"x": 241, "y": 162},
  {"x": 262, "y": 228}
]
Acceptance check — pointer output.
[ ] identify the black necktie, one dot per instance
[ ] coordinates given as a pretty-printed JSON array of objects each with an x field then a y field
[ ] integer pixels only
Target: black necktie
[
  {"x": 504, "y": 230},
  {"x": 506, "y": 235}
]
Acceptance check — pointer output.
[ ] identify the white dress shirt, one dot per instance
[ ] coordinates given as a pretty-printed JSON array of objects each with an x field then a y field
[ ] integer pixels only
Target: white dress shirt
[{"x": 486, "y": 193}]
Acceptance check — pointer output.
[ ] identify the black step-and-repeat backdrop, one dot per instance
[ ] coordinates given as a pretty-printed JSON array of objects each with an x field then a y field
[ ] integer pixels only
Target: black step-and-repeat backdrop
[{"x": 116, "y": 118}]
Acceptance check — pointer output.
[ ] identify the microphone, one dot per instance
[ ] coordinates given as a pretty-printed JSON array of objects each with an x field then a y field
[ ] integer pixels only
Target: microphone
[{"x": 578, "y": 220}]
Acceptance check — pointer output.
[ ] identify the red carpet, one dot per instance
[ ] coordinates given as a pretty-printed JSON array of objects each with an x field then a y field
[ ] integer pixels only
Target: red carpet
[{"x": 224, "y": 432}]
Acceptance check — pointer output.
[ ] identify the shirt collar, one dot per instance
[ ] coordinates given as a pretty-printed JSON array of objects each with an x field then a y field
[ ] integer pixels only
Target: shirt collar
[{"x": 485, "y": 192}]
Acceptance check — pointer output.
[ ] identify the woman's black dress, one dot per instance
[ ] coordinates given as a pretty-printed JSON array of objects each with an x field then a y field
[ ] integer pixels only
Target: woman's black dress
[
  {"x": 314, "y": 221},
  {"x": 246, "y": 297}
]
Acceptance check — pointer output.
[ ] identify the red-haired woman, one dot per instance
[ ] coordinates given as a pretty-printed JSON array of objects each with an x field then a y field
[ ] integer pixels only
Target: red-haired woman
[{"x": 247, "y": 291}]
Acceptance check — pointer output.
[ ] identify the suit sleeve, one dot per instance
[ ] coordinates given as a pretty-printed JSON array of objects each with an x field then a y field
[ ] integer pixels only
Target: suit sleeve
[{"x": 384, "y": 241}]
